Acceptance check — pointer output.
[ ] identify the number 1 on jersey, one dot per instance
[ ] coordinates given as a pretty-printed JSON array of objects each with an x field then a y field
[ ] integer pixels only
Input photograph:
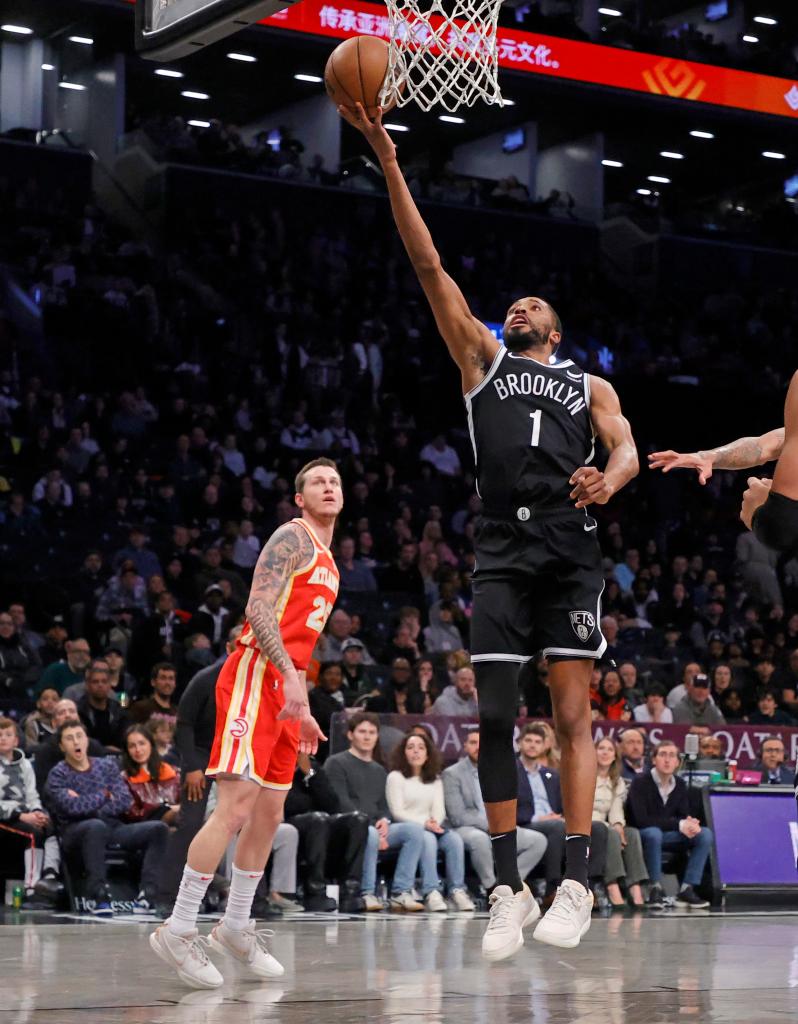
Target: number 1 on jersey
[{"x": 536, "y": 417}]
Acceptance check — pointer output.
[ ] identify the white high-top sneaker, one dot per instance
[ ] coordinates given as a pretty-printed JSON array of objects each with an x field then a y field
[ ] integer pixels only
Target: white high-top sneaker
[
  {"x": 249, "y": 947},
  {"x": 187, "y": 955},
  {"x": 510, "y": 913},
  {"x": 568, "y": 918}
]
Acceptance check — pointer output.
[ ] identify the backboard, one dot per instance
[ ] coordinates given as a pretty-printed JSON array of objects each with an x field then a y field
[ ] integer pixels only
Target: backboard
[{"x": 170, "y": 29}]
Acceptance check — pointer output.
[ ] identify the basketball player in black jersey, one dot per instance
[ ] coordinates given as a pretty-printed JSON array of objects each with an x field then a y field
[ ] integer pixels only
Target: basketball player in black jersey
[{"x": 538, "y": 577}]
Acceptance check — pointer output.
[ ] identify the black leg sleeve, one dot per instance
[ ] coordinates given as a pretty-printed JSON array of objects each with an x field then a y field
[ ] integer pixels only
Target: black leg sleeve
[{"x": 497, "y": 686}]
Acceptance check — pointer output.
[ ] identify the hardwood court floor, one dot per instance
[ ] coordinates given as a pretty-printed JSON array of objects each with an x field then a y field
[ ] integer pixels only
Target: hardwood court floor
[{"x": 676, "y": 968}]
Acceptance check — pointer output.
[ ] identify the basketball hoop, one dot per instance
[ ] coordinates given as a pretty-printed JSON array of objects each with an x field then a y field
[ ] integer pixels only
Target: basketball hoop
[{"x": 442, "y": 55}]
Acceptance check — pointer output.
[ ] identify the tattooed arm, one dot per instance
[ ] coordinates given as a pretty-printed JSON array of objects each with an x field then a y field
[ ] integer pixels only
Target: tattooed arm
[
  {"x": 743, "y": 453},
  {"x": 288, "y": 549}
]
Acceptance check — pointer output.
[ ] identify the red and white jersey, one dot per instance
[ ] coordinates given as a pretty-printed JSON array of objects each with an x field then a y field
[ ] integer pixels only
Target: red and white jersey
[{"x": 304, "y": 604}]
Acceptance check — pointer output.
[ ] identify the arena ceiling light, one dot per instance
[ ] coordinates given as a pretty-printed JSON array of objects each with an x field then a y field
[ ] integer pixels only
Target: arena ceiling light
[
  {"x": 315, "y": 79},
  {"x": 48, "y": 67},
  {"x": 611, "y": 163},
  {"x": 168, "y": 73},
  {"x": 772, "y": 155},
  {"x": 702, "y": 135},
  {"x": 750, "y": 39},
  {"x": 396, "y": 127},
  {"x": 17, "y": 30},
  {"x": 82, "y": 40},
  {"x": 671, "y": 156},
  {"x": 644, "y": 191},
  {"x": 195, "y": 95},
  {"x": 245, "y": 58},
  {"x": 451, "y": 119},
  {"x": 610, "y": 12},
  {"x": 658, "y": 180},
  {"x": 507, "y": 103},
  {"x": 199, "y": 124},
  {"x": 72, "y": 85},
  {"x": 762, "y": 20}
]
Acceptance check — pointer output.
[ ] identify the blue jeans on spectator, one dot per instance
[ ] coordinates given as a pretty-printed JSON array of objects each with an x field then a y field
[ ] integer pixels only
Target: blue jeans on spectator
[
  {"x": 655, "y": 841},
  {"x": 91, "y": 837},
  {"x": 453, "y": 849},
  {"x": 408, "y": 838}
]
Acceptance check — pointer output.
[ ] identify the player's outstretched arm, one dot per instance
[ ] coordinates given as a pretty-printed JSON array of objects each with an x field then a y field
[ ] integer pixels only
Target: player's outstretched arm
[
  {"x": 470, "y": 343},
  {"x": 770, "y": 508},
  {"x": 612, "y": 427},
  {"x": 744, "y": 453}
]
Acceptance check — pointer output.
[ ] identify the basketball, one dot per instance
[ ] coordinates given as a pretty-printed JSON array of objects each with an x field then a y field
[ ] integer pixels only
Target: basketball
[{"x": 356, "y": 71}]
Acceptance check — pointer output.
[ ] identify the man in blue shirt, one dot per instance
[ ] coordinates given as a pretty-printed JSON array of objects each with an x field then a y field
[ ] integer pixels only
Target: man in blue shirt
[{"x": 540, "y": 809}]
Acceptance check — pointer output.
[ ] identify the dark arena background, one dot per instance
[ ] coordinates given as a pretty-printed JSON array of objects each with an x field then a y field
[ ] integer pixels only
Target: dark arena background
[{"x": 202, "y": 288}]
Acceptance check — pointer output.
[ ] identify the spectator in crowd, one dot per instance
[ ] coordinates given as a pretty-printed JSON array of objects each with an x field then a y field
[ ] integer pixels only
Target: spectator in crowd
[
  {"x": 540, "y": 809},
  {"x": 55, "y": 639},
  {"x": 61, "y": 674},
  {"x": 402, "y": 645},
  {"x": 212, "y": 617},
  {"x": 550, "y": 754},
  {"x": 732, "y": 708},
  {"x": 354, "y": 574},
  {"x": 163, "y": 728},
  {"x": 460, "y": 699},
  {"x": 332, "y": 844},
  {"x": 28, "y": 636},
  {"x": 697, "y": 708},
  {"x": 338, "y": 631},
  {"x": 612, "y": 704},
  {"x": 771, "y": 763},
  {"x": 19, "y": 662},
  {"x": 354, "y": 672},
  {"x": 103, "y": 718},
  {"x": 157, "y": 637},
  {"x": 136, "y": 551},
  {"x": 442, "y": 456},
  {"x": 441, "y": 634},
  {"x": 427, "y": 683},
  {"x": 247, "y": 547},
  {"x": 678, "y": 693},
  {"x": 632, "y": 746},
  {"x": 465, "y": 812},
  {"x": 359, "y": 781},
  {"x": 659, "y": 807},
  {"x": 122, "y": 682},
  {"x": 625, "y": 863},
  {"x": 89, "y": 796},
  {"x": 163, "y": 680},
  {"x": 154, "y": 784},
  {"x": 125, "y": 591},
  {"x": 76, "y": 691},
  {"x": 38, "y": 725},
  {"x": 403, "y": 575},
  {"x": 655, "y": 709},
  {"x": 21, "y": 810},
  {"x": 48, "y": 753},
  {"x": 632, "y": 690},
  {"x": 414, "y": 792},
  {"x": 767, "y": 710},
  {"x": 330, "y": 694}
]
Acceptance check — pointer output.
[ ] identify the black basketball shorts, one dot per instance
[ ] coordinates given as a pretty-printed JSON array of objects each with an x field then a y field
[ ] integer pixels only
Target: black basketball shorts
[{"x": 537, "y": 587}]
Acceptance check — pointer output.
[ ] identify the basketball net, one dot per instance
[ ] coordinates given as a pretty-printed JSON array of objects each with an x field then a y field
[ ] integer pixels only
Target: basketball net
[{"x": 446, "y": 56}]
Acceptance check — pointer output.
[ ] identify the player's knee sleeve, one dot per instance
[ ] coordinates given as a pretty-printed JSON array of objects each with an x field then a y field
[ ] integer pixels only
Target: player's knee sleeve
[
  {"x": 497, "y": 685},
  {"x": 775, "y": 523}
]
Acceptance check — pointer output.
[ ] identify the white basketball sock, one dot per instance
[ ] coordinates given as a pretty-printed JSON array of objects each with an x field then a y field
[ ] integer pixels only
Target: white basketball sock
[
  {"x": 192, "y": 891},
  {"x": 240, "y": 897}
]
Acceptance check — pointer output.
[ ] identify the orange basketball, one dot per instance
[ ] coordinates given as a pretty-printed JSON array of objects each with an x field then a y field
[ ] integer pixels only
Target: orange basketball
[{"x": 356, "y": 71}]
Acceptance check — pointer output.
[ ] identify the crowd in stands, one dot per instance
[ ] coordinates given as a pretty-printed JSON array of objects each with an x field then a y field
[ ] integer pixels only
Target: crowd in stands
[{"x": 147, "y": 450}]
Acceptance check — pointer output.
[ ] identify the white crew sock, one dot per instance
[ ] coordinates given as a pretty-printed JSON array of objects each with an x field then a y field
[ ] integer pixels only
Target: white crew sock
[
  {"x": 240, "y": 897},
  {"x": 192, "y": 891}
]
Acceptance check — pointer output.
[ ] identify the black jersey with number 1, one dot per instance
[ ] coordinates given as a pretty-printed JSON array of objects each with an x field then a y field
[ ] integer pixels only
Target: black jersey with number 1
[{"x": 530, "y": 428}]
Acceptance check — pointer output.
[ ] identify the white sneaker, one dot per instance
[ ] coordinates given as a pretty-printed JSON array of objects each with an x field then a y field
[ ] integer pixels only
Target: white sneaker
[
  {"x": 249, "y": 947},
  {"x": 404, "y": 903},
  {"x": 510, "y": 913},
  {"x": 371, "y": 903},
  {"x": 461, "y": 900},
  {"x": 435, "y": 903},
  {"x": 186, "y": 953},
  {"x": 568, "y": 918}
]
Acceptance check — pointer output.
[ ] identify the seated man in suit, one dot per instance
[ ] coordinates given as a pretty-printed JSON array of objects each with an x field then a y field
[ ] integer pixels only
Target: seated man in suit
[
  {"x": 658, "y": 804},
  {"x": 771, "y": 763},
  {"x": 540, "y": 809},
  {"x": 465, "y": 812}
]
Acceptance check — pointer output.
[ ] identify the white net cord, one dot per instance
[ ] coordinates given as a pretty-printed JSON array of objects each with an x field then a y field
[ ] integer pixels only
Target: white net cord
[{"x": 442, "y": 55}]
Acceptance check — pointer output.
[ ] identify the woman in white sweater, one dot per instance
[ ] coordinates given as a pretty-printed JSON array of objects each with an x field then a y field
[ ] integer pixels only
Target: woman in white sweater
[
  {"x": 625, "y": 861},
  {"x": 415, "y": 793}
]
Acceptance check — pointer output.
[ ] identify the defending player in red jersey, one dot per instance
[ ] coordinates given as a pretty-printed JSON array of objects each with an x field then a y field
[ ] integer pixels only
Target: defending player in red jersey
[{"x": 262, "y": 720}]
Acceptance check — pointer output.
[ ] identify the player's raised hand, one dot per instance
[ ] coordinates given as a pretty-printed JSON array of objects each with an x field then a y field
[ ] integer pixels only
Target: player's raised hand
[
  {"x": 754, "y": 498},
  {"x": 589, "y": 487},
  {"x": 666, "y": 461},
  {"x": 376, "y": 135},
  {"x": 310, "y": 735}
]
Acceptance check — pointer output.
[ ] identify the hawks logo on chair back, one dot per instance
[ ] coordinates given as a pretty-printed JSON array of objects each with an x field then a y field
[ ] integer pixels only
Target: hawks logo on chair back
[{"x": 250, "y": 740}]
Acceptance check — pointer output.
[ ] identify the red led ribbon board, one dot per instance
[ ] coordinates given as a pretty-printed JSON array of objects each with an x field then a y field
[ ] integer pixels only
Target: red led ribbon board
[{"x": 575, "y": 61}]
